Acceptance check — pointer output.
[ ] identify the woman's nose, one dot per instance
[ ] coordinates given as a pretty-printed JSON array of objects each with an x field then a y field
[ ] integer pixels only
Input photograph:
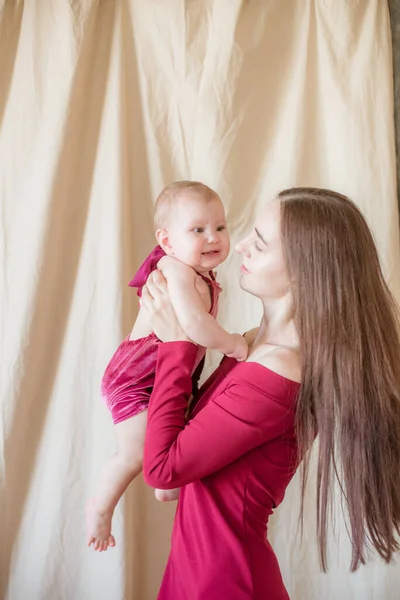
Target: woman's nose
[{"x": 242, "y": 248}]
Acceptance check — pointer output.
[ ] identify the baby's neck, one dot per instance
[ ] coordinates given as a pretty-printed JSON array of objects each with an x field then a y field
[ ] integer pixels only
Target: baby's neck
[{"x": 204, "y": 272}]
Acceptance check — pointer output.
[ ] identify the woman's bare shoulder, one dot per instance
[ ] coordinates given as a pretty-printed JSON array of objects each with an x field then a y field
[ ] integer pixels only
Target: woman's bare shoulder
[
  {"x": 281, "y": 360},
  {"x": 250, "y": 335}
]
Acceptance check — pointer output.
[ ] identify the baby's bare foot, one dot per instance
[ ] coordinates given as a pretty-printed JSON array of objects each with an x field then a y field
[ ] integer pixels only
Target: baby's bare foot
[
  {"x": 98, "y": 527},
  {"x": 167, "y": 495}
]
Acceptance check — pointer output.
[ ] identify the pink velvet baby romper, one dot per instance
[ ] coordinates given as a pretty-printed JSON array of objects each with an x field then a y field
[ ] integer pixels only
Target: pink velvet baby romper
[{"x": 128, "y": 380}]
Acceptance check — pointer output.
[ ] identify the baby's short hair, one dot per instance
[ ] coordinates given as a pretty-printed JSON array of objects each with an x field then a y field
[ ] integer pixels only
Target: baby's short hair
[{"x": 170, "y": 193}]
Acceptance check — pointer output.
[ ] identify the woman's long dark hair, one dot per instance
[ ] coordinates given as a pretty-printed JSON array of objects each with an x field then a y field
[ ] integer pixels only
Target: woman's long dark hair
[{"x": 348, "y": 327}]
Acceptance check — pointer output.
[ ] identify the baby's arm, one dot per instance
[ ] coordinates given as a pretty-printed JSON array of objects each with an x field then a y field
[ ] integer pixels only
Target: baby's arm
[{"x": 197, "y": 323}]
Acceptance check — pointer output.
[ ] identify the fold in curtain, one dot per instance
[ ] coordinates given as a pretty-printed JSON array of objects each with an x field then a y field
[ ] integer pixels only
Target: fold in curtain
[
  {"x": 102, "y": 103},
  {"x": 394, "y": 10}
]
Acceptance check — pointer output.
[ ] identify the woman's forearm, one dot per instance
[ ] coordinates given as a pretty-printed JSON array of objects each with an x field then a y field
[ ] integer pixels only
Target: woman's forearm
[{"x": 166, "y": 416}]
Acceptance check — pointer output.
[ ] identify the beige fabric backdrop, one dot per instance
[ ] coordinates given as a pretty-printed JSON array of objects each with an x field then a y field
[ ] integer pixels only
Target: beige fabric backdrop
[{"x": 103, "y": 102}]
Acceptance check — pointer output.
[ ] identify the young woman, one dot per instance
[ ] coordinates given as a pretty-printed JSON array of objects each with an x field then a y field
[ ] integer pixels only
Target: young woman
[{"x": 324, "y": 361}]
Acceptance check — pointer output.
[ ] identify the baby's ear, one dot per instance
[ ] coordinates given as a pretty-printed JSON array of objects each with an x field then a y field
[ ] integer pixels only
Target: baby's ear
[{"x": 163, "y": 240}]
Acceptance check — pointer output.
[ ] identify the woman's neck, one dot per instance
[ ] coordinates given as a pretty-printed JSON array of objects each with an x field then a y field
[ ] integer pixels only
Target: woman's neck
[{"x": 277, "y": 326}]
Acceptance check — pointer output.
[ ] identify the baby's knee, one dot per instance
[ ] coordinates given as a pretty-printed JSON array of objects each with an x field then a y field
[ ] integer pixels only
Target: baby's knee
[{"x": 131, "y": 457}]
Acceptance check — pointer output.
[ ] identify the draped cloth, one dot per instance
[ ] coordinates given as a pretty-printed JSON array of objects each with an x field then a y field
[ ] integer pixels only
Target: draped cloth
[{"x": 103, "y": 103}]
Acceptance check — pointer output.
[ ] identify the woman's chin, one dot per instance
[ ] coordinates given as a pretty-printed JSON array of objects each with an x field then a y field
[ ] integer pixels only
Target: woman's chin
[{"x": 242, "y": 282}]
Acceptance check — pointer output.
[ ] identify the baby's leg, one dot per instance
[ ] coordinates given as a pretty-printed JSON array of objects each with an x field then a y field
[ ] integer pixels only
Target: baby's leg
[
  {"x": 167, "y": 495},
  {"x": 115, "y": 477}
]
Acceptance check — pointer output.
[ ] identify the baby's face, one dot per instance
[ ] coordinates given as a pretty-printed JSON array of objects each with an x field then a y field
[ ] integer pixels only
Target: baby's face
[{"x": 197, "y": 233}]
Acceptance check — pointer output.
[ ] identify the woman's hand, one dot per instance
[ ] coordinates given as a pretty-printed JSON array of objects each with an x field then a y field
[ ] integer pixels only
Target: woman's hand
[{"x": 156, "y": 301}]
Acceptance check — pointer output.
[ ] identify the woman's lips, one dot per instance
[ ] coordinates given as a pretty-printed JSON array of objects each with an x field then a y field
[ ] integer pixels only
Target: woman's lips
[{"x": 244, "y": 270}]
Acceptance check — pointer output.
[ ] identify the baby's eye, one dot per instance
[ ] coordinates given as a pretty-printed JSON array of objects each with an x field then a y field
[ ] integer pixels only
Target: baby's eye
[
  {"x": 198, "y": 229},
  {"x": 221, "y": 228}
]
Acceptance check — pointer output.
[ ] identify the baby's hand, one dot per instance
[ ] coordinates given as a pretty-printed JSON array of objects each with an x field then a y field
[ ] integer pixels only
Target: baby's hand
[{"x": 240, "y": 350}]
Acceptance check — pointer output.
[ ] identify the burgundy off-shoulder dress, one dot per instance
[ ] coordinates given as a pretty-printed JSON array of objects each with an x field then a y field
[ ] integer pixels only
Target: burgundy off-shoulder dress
[{"x": 233, "y": 461}]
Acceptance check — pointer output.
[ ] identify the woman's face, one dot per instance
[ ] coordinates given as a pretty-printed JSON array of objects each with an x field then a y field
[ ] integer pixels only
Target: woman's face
[{"x": 263, "y": 271}]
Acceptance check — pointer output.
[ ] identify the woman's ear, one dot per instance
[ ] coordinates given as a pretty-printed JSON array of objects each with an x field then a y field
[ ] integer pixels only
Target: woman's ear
[{"x": 163, "y": 240}]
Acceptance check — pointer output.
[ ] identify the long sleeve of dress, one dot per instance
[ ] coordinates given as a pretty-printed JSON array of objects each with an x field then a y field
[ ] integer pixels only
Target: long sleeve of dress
[{"x": 237, "y": 420}]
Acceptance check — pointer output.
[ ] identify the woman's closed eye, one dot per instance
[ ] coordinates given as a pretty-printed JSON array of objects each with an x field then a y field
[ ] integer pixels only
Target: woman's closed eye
[{"x": 257, "y": 246}]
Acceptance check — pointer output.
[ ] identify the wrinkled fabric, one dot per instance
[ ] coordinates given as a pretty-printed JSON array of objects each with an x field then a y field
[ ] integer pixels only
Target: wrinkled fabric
[
  {"x": 102, "y": 104},
  {"x": 128, "y": 380}
]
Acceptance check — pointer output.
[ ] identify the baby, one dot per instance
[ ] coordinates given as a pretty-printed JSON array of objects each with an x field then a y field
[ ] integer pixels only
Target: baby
[{"x": 193, "y": 240}]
